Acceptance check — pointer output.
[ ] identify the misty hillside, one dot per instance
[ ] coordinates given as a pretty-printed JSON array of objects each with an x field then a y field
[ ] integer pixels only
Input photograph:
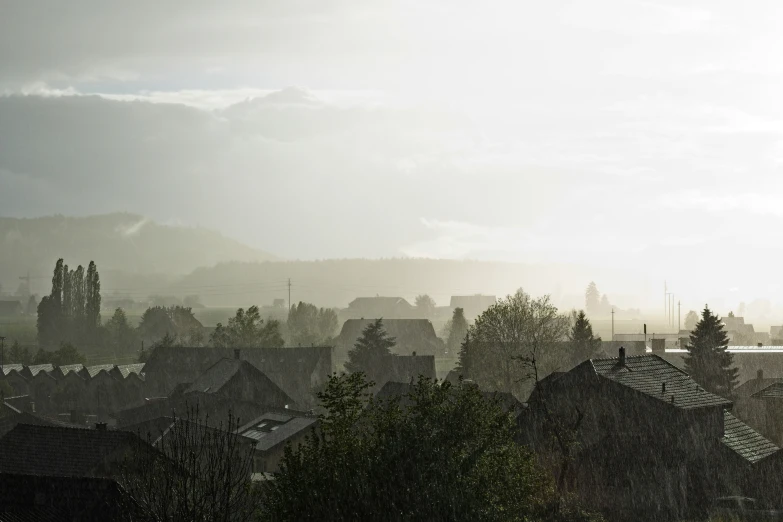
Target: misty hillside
[
  {"x": 116, "y": 242},
  {"x": 336, "y": 282}
]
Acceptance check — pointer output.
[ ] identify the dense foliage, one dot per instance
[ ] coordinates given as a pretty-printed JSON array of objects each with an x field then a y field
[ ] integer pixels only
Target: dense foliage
[
  {"x": 310, "y": 326},
  {"x": 66, "y": 354},
  {"x": 247, "y": 330},
  {"x": 71, "y": 312},
  {"x": 177, "y": 322},
  {"x": 510, "y": 335},
  {"x": 425, "y": 306},
  {"x": 441, "y": 453}
]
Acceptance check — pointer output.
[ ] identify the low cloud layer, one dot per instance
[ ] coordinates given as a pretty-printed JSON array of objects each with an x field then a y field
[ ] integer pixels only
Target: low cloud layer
[{"x": 644, "y": 133}]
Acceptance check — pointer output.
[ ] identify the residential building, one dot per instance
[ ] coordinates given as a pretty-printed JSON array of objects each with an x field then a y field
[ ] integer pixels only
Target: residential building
[
  {"x": 272, "y": 431},
  {"x": 411, "y": 336},
  {"x": 650, "y": 439},
  {"x": 380, "y": 307},
  {"x": 10, "y": 308},
  {"x": 298, "y": 371},
  {"x": 472, "y": 305}
]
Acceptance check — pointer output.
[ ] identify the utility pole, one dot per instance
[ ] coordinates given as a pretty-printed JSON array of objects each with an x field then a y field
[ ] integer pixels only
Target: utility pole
[
  {"x": 2, "y": 352},
  {"x": 289, "y": 294},
  {"x": 613, "y": 323},
  {"x": 665, "y": 299},
  {"x": 679, "y": 316}
]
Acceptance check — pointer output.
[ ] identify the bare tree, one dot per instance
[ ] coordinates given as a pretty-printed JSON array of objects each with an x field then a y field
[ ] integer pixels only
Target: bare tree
[{"x": 198, "y": 473}]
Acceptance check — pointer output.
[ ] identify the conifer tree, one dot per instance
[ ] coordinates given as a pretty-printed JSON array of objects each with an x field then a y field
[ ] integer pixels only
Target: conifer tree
[
  {"x": 584, "y": 344},
  {"x": 369, "y": 349},
  {"x": 457, "y": 331},
  {"x": 592, "y": 297},
  {"x": 708, "y": 362}
]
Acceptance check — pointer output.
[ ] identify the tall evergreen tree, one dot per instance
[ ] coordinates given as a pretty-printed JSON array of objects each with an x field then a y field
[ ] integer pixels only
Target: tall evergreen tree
[
  {"x": 457, "y": 331},
  {"x": 708, "y": 362},
  {"x": 369, "y": 350},
  {"x": 592, "y": 297},
  {"x": 583, "y": 343}
]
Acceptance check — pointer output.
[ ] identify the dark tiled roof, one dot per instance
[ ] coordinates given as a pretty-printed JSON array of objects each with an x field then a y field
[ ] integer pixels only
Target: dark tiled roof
[
  {"x": 60, "y": 452},
  {"x": 773, "y": 391},
  {"x": 9, "y": 422},
  {"x": 648, "y": 373},
  {"x": 216, "y": 376},
  {"x": 751, "y": 386},
  {"x": 271, "y": 429},
  {"x": 744, "y": 440}
]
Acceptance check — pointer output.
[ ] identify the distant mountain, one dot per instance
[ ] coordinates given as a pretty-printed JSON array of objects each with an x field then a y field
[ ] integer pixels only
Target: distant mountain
[{"x": 118, "y": 243}]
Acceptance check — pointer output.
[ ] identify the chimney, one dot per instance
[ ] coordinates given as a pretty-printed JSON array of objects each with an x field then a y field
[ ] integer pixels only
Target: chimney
[
  {"x": 100, "y": 426},
  {"x": 414, "y": 353},
  {"x": 663, "y": 388},
  {"x": 760, "y": 345},
  {"x": 236, "y": 353},
  {"x": 760, "y": 374},
  {"x": 74, "y": 417},
  {"x": 622, "y": 356}
]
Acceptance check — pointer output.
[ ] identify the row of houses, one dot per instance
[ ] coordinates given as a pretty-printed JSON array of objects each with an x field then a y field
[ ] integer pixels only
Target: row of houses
[
  {"x": 648, "y": 441},
  {"x": 62, "y": 465},
  {"x": 54, "y": 390}
]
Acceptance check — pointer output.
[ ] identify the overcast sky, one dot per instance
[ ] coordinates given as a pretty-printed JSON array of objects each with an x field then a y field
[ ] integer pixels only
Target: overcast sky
[{"x": 643, "y": 135}]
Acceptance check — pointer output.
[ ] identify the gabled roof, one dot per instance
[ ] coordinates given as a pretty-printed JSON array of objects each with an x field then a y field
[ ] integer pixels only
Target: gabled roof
[
  {"x": 648, "y": 374},
  {"x": 68, "y": 368},
  {"x": 216, "y": 376},
  {"x": 380, "y": 300},
  {"x": 751, "y": 386},
  {"x": 92, "y": 371},
  {"x": 773, "y": 391},
  {"x": 35, "y": 369},
  {"x": 60, "y": 452},
  {"x": 127, "y": 369},
  {"x": 225, "y": 370},
  {"x": 272, "y": 429},
  {"x": 744, "y": 440},
  {"x": 8, "y": 368},
  {"x": 9, "y": 422}
]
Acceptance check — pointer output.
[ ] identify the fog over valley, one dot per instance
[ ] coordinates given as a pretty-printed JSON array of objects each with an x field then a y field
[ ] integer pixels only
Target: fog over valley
[{"x": 430, "y": 260}]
